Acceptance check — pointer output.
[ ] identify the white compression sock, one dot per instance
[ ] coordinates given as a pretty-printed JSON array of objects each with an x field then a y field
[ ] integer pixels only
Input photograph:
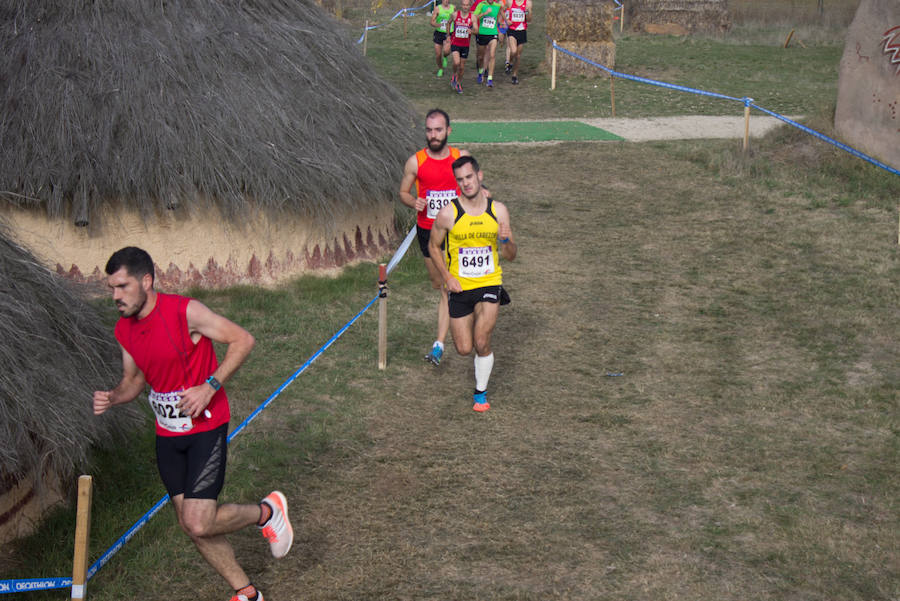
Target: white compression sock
[{"x": 483, "y": 367}]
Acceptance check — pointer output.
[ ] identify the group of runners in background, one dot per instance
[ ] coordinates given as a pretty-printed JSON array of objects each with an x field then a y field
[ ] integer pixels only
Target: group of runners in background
[{"x": 493, "y": 23}]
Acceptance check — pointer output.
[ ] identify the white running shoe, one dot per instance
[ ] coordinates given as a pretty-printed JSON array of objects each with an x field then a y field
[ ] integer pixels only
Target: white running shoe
[{"x": 278, "y": 530}]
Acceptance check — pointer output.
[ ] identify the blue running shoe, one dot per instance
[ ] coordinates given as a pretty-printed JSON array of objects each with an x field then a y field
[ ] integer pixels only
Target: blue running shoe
[
  {"x": 453, "y": 81},
  {"x": 480, "y": 77},
  {"x": 480, "y": 403},
  {"x": 490, "y": 83},
  {"x": 434, "y": 356}
]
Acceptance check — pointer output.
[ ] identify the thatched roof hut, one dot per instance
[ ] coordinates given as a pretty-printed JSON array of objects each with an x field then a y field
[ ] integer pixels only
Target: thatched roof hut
[
  {"x": 237, "y": 140},
  {"x": 54, "y": 353}
]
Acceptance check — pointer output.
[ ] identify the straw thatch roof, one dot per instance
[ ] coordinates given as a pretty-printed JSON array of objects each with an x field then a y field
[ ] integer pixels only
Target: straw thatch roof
[
  {"x": 55, "y": 352},
  {"x": 156, "y": 103}
]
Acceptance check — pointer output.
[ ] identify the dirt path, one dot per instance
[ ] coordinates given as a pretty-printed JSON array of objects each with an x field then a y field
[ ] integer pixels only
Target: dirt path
[
  {"x": 691, "y": 127},
  {"x": 685, "y": 128}
]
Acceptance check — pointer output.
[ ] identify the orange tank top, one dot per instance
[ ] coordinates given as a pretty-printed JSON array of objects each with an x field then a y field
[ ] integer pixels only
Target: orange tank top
[{"x": 436, "y": 184}]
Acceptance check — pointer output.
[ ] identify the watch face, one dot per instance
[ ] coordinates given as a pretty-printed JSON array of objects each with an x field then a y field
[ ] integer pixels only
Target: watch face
[{"x": 214, "y": 383}]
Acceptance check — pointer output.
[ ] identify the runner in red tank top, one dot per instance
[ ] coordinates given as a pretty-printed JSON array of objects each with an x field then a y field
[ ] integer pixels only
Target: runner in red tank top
[
  {"x": 166, "y": 342},
  {"x": 517, "y": 35},
  {"x": 465, "y": 27},
  {"x": 430, "y": 171}
]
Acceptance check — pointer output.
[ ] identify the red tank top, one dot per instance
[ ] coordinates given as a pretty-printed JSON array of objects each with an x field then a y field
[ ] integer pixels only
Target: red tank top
[
  {"x": 161, "y": 346},
  {"x": 436, "y": 184},
  {"x": 516, "y": 19},
  {"x": 462, "y": 30}
]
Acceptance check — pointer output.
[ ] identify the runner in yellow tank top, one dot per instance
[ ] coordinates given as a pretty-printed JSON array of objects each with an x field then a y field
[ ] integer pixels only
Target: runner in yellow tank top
[{"x": 476, "y": 232}]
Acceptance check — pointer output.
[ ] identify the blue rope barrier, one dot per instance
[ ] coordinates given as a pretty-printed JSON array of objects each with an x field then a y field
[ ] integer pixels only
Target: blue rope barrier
[
  {"x": 401, "y": 12},
  {"x": 747, "y": 102},
  {"x": 45, "y": 584}
]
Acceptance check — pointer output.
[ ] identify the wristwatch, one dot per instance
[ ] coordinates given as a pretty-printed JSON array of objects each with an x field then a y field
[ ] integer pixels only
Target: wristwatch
[{"x": 216, "y": 385}]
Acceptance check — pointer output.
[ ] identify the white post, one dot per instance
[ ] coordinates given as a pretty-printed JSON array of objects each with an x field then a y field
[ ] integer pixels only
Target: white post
[
  {"x": 553, "y": 68},
  {"x": 382, "y": 316}
]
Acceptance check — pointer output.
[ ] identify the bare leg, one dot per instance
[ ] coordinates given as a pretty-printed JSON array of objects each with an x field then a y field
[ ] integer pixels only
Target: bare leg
[
  {"x": 443, "y": 311},
  {"x": 475, "y": 329},
  {"x": 490, "y": 57},
  {"x": 517, "y": 56},
  {"x": 485, "y": 320},
  {"x": 207, "y": 524}
]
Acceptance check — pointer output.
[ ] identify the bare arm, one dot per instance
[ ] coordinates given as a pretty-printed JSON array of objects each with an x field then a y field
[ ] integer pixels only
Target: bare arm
[
  {"x": 508, "y": 249},
  {"x": 442, "y": 224},
  {"x": 410, "y": 171},
  {"x": 434, "y": 16},
  {"x": 131, "y": 385},
  {"x": 201, "y": 320}
]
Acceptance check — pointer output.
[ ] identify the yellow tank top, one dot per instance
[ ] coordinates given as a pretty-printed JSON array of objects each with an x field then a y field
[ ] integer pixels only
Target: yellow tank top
[{"x": 471, "y": 248}]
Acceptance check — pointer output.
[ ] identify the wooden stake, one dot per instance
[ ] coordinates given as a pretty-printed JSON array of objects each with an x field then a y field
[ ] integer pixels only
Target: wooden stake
[
  {"x": 787, "y": 40},
  {"x": 82, "y": 538},
  {"x": 621, "y": 17},
  {"x": 612, "y": 93},
  {"x": 366, "y": 37},
  {"x": 382, "y": 316},
  {"x": 553, "y": 68},
  {"x": 404, "y": 24},
  {"x": 746, "y": 127}
]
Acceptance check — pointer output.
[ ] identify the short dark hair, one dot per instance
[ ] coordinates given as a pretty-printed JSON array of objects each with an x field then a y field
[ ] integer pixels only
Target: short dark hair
[
  {"x": 440, "y": 112},
  {"x": 136, "y": 261},
  {"x": 466, "y": 159}
]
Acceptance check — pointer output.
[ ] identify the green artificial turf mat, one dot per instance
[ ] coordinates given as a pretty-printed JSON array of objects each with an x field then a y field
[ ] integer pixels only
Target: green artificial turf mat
[{"x": 527, "y": 131}]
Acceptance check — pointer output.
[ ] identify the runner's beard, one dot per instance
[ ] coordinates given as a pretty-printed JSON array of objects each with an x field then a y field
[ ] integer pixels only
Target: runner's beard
[
  {"x": 138, "y": 307},
  {"x": 437, "y": 144}
]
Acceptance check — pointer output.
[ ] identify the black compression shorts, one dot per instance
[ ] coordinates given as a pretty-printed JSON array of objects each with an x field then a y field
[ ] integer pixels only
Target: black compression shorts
[{"x": 193, "y": 464}]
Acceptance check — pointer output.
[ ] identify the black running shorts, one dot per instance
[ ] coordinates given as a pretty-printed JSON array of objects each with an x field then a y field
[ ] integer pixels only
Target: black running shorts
[
  {"x": 463, "y": 303},
  {"x": 193, "y": 464},
  {"x": 463, "y": 51},
  {"x": 439, "y": 37},
  {"x": 484, "y": 40},
  {"x": 521, "y": 37},
  {"x": 424, "y": 236}
]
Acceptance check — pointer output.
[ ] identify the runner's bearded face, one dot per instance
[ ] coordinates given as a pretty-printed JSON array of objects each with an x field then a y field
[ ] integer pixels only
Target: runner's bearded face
[
  {"x": 436, "y": 133},
  {"x": 128, "y": 294}
]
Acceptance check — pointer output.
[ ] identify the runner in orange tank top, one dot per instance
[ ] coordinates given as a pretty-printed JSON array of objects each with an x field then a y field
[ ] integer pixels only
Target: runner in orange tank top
[{"x": 430, "y": 172}]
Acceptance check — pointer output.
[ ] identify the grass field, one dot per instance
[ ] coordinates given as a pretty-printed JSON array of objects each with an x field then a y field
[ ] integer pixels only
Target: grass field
[{"x": 749, "y": 449}]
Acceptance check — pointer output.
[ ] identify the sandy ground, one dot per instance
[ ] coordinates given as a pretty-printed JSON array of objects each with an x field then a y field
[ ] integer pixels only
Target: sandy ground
[{"x": 684, "y": 128}]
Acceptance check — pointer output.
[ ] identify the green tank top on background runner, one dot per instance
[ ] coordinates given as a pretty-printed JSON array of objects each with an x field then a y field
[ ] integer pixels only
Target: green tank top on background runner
[
  {"x": 445, "y": 18},
  {"x": 487, "y": 12}
]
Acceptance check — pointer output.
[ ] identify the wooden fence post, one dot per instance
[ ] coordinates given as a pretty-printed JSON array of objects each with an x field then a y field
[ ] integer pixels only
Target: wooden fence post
[
  {"x": 746, "y": 126},
  {"x": 621, "y": 17},
  {"x": 612, "y": 93},
  {"x": 82, "y": 538},
  {"x": 366, "y": 37}
]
